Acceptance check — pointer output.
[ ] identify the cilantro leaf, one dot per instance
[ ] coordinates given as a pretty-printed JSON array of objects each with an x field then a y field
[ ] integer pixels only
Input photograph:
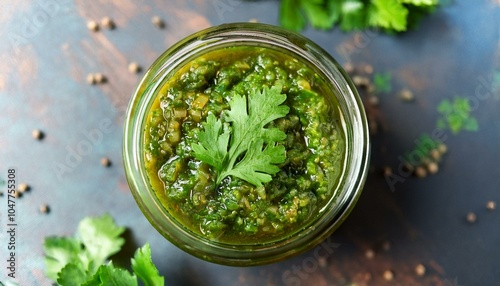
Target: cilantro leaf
[
  {"x": 72, "y": 275},
  {"x": 388, "y": 14},
  {"x": 59, "y": 251},
  {"x": 382, "y": 82},
  {"x": 108, "y": 275},
  {"x": 246, "y": 119},
  {"x": 145, "y": 269},
  {"x": 455, "y": 115},
  {"x": 101, "y": 237},
  {"x": 319, "y": 14},
  {"x": 352, "y": 15},
  {"x": 257, "y": 165},
  {"x": 291, "y": 16},
  {"x": 214, "y": 140},
  {"x": 80, "y": 260}
]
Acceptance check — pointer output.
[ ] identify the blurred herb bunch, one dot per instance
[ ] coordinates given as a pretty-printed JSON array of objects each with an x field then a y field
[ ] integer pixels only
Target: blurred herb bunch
[{"x": 388, "y": 15}]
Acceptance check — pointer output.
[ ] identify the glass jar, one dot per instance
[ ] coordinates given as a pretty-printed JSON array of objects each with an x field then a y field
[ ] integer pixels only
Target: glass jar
[{"x": 353, "y": 123}]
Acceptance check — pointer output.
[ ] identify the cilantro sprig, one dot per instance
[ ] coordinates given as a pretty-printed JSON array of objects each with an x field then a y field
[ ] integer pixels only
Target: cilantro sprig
[
  {"x": 389, "y": 15},
  {"x": 82, "y": 260},
  {"x": 241, "y": 145}
]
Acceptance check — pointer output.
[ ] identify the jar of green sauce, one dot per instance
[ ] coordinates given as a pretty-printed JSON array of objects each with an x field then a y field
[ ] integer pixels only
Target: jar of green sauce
[{"x": 245, "y": 144}]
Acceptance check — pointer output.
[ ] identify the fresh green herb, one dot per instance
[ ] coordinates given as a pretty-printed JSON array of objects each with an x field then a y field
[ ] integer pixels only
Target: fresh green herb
[
  {"x": 234, "y": 146},
  {"x": 382, "y": 82},
  {"x": 81, "y": 260},
  {"x": 455, "y": 115},
  {"x": 389, "y": 15}
]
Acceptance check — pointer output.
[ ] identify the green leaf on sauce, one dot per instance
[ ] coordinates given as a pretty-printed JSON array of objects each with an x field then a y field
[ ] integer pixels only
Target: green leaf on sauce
[{"x": 235, "y": 147}]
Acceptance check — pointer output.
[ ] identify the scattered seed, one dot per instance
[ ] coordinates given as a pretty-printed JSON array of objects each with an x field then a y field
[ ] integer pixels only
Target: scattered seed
[
  {"x": 387, "y": 171},
  {"x": 158, "y": 22},
  {"x": 108, "y": 23},
  {"x": 388, "y": 275},
  {"x": 361, "y": 81},
  {"x": 368, "y": 69},
  {"x": 491, "y": 205},
  {"x": 91, "y": 78},
  {"x": 322, "y": 262},
  {"x": 44, "y": 208},
  {"x": 17, "y": 194},
  {"x": 471, "y": 217},
  {"x": 23, "y": 188},
  {"x": 349, "y": 67},
  {"x": 93, "y": 26},
  {"x": 420, "y": 270},
  {"x": 435, "y": 154},
  {"x": 406, "y": 95},
  {"x": 37, "y": 134},
  {"x": 371, "y": 88},
  {"x": 105, "y": 162},
  {"x": 386, "y": 246},
  {"x": 420, "y": 172},
  {"x": 373, "y": 100},
  {"x": 442, "y": 148},
  {"x": 369, "y": 253},
  {"x": 134, "y": 67},
  {"x": 1, "y": 194},
  {"x": 100, "y": 78},
  {"x": 433, "y": 168}
]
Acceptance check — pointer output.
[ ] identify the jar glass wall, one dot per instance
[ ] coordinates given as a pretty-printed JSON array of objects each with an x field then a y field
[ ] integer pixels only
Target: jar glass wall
[{"x": 352, "y": 122}]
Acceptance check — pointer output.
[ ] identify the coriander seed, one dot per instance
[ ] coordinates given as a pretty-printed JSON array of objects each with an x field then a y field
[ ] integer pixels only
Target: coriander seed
[
  {"x": 433, "y": 168},
  {"x": 491, "y": 205},
  {"x": 388, "y": 275},
  {"x": 420, "y": 270},
  {"x": 349, "y": 67},
  {"x": 100, "y": 78},
  {"x": 91, "y": 79},
  {"x": 158, "y": 22},
  {"x": 368, "y": 69},
  {"x": 406, "y": 95},
  {"x": 43, "y": 208},
  {"x": 105, "y": 162},
  {"x": 369, "y": 253},
  {"x": 134, "y": 67},
  {"x": 108, "y": 23},
  {"x": 23, "y": 188},
  {"x": 420, "y": 172},
  {"x": 93, "y": 26},
  {"x": 387, "y": 171},
  {"x": 37, "y": 134},
  {"x": 442, "y": 148},
  {"x": 471, "y": 217}
]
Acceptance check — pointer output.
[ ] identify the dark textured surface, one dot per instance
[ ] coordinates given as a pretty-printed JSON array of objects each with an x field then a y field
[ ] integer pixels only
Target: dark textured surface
[{"x": 46, "y": 53}]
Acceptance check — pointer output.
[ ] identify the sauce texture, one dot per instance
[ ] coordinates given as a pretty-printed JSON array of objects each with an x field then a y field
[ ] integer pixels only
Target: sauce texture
[{"x": 236, "y": 211}]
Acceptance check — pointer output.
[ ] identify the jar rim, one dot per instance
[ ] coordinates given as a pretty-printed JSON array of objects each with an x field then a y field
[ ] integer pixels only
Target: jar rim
[{"x": 357, "y": 158}]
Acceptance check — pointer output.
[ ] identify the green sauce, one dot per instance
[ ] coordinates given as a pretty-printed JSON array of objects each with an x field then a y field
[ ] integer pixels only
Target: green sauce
[{"x": 236, "y": 211}]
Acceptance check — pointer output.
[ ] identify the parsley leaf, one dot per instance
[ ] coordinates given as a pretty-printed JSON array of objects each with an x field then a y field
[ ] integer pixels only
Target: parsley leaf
[
  {"x": 80, "y": 260},
  {"x": 145, "y": 269},
  {"x": 257, "y": 165},
  {"x": 214, "y": 140},
  {"x": 59, "y": 251},
  {"x": 108, "y": 275},
  {"x": 390, "y": 15},
  {"x": 244, "y": 133},
  {"x": 455, "y": 115},
  {"x": 101, "y": 237},
  {"x": 382, "y": 82}
]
